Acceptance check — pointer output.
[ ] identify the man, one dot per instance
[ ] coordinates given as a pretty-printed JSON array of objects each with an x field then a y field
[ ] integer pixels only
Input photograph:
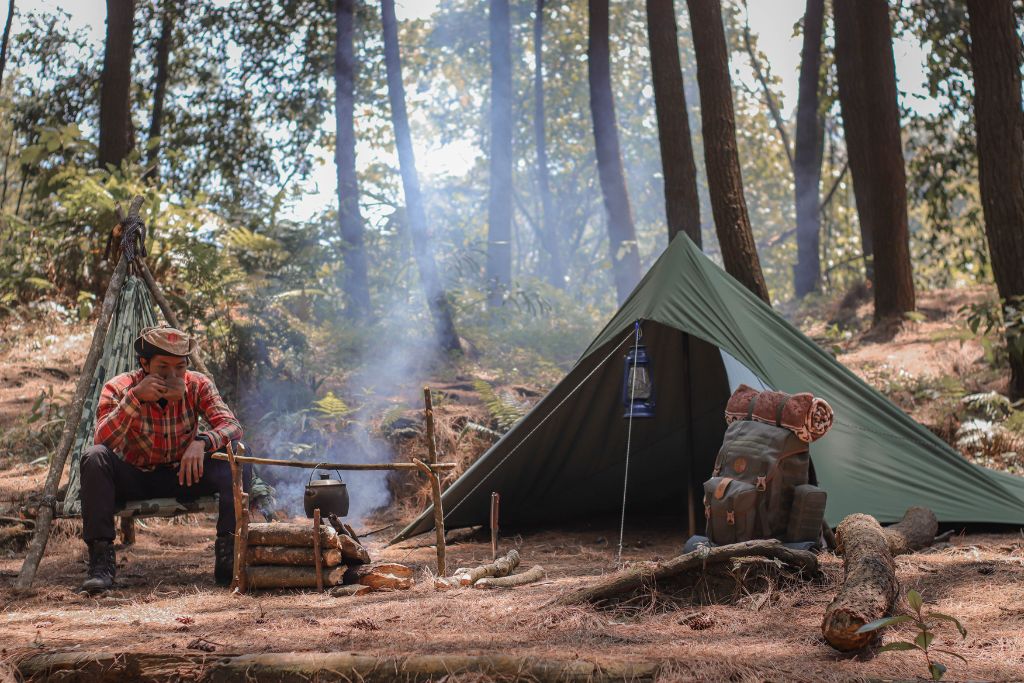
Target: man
[{"x": 150, "y": 418}]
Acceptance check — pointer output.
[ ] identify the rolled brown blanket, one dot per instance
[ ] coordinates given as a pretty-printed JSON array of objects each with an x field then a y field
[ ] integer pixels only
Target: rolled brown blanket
[{"x": 808, "y": 417}]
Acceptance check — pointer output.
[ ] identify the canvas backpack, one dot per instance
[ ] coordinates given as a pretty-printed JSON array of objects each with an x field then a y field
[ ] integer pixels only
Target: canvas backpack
[{"x": 750, "y": 493}]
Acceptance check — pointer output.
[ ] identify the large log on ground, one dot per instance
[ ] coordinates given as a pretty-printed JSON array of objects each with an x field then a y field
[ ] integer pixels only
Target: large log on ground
[
  {"x": 652, "y": 572},
  {"x": 301, "y": 667},
  {"x": 869, "y": 587},
  {"x": 916, "y": 530},
  {"x": 503, "y": 566},
  {"x": 290, "y": 555},
  {"x": 535, "y": 573},
  {"x": 271, "y": 576},
  {"x": 291, "y": 534},
  {"x": 381, "y": 576}
]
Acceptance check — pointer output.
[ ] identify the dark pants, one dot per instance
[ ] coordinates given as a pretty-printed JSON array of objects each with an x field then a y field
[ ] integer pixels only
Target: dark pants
[{"x": 109, "y": 482}]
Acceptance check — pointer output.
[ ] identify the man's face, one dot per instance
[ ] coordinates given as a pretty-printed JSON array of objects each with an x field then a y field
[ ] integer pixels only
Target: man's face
[{"x": 167, "y": 367}]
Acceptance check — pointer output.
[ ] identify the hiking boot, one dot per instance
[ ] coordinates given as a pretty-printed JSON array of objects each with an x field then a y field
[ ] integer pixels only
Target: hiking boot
[
  {"x": 102, "y": 567},
  {"x": 224, "y": 559}
]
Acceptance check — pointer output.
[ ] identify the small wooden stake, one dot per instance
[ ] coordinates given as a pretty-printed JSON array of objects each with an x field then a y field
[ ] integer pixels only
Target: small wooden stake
[
  {"x": 319, "y": 561},
  {"x": 435, "y": 490},
  {"x": 429, "y": 418},
  {"x": 495, "y": 501}
]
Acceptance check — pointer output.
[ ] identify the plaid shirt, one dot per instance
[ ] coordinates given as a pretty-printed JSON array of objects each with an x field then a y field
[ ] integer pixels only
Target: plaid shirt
[{"x": 148, "y": 435}]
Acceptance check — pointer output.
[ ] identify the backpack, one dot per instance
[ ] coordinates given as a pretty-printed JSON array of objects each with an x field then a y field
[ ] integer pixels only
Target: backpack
[{"x": 750, "y": 493}]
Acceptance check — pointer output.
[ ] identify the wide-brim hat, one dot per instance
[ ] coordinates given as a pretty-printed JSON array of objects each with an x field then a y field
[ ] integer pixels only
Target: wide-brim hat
[{"x": 164, "y": 340}]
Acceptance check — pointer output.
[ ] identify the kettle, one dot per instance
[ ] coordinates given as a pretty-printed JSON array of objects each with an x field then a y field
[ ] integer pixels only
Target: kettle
[{"x": 328, "y": 494}]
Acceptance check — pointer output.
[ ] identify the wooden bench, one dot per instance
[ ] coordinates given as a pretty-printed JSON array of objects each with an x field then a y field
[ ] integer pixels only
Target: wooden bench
[{"x": 160, "y": 507}]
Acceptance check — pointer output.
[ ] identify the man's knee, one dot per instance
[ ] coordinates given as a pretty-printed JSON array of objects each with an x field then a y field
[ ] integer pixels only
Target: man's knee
[{"x": 96, "y": 458}]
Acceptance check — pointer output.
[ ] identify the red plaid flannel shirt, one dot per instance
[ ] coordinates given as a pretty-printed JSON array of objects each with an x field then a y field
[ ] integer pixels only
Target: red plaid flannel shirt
[{"x": 148, "y": 435}]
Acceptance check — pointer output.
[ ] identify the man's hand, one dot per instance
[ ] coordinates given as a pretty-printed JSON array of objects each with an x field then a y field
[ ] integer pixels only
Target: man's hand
[
  {"x": 175, "y": 389},
  {"x": 151, "y": 388},
  {"x": 191, "y": 468}
]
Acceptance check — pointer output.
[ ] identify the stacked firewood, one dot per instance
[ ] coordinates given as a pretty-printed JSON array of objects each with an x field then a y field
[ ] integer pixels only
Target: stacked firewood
[{"x": 283, "y": 555}]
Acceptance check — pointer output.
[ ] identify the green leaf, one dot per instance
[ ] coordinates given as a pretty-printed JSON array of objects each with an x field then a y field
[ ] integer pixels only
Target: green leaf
[
  {"x": 915, "y": 600},
  {"x": 937, "y": 670},
  {"x": 924, "y": 639},
  {"x": 946, "y": 617},
  {"x": 898, "y": 646},
  {"x": 882, "y": 623}
]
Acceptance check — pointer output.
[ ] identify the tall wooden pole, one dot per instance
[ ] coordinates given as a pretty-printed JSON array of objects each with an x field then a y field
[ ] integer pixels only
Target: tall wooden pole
[{"x": 74, "y": 416}]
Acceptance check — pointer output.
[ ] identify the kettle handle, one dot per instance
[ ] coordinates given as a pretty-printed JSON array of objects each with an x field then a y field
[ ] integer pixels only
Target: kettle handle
[{"x": 318, "y": 466}]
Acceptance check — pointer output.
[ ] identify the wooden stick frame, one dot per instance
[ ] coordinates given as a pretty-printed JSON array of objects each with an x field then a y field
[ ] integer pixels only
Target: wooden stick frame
[
  {"x": 240, "y": 579},
  {"x": 317, "y": 560},
  {"x": 335, "y": 466}
]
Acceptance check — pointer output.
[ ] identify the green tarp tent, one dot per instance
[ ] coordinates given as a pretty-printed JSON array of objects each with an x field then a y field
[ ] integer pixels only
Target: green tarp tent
[{"x": 705, "y": 334}]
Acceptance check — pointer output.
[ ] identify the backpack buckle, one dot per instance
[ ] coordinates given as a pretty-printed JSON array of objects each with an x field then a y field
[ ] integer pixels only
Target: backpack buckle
[
  {"x": 762, "y": 483},
  {"x": 730, "y": 518}
]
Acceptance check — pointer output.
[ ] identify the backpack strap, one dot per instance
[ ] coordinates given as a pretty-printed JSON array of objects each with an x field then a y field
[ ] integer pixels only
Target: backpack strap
[
  {"x": 778, "y": 411},
  {"x": 750, "y": 409}
]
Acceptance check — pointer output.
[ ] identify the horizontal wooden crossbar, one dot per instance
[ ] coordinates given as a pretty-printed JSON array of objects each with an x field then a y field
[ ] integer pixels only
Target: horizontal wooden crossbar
[{"x": 334, "y": 465}]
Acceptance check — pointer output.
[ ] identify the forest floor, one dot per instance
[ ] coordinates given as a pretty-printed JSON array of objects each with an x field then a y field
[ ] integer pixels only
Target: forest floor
[{"x": 165, "y": 600}]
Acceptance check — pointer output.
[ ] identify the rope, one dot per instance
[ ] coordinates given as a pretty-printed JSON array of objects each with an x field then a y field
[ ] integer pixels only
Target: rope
[
  {"x": 133, "y": 237},
  {"x": 629, "y": 440}
]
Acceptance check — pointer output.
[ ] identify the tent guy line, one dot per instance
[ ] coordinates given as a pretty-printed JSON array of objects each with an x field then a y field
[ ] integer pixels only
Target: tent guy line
[{"x": 629, "y": 441}]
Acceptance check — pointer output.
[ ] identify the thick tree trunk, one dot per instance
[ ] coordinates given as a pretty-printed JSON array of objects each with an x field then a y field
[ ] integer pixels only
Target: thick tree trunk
[
  {"x": 554, "y": 268},
  {"x": 808, "y": 154},
  {"x": 996, "y": 61},
  {"x": 117, "y": 136},
  {"x": 622, "y": 244},
  {"x": 437, "y": 300},
  {"x": 355, "y": 281},
  {"x": 869, "y": 587},
  {"x": 163, "y": 51},
  {"x": 721, "y": 158},
  {"x": 7, "y": 40},
  {"x": 499, "y": 203},
  {"x": 679, "y": 171},
  {"x": 871, "y": 121}
]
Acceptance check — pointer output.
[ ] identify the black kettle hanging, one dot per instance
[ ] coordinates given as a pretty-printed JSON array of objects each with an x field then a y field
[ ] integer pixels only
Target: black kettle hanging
[{"x": 330, "y": 495}]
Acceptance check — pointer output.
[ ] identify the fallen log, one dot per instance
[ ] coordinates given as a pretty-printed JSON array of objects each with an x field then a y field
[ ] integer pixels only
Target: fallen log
[
  {"x": 652, "y": 572},
  {"x": 869, "y": 586},
  {"x": 503, "y": 566},
  {"x": 291, "y": 534},
  {"x": 279, "y": 576},
  {"x": 381, "y": 576},
  {"x": 915, "y": 531},
  {"x": 290, "y": 555},
  {"x": 301, "y": 667},
  {"x": 536, "y": 573}
]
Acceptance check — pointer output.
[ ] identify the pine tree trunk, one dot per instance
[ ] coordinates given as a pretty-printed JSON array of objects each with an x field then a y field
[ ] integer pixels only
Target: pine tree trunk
[
  {"x": 721, "y": 158},
  {"x": 163, "y": 51},
  {"x": 499, "y": 202},
  {"x": 622, "y": 242},
  {"x": 996, "y": 62},
  {"x": 808, "y": 154},
  {"x": 679, "y": 171},
  {"x": 437, "y": 301},
  {"x": 554, "y": 270},
  {"x": 117, "y": 136},
  {"x": 7, "y": 40},
  {"x": 355, "y": 281},
  {"x": 871, "y": 121}
]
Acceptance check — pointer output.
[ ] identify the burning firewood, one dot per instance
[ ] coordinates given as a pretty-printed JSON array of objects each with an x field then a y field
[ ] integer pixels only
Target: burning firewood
[{"x": 290, "y": 555}]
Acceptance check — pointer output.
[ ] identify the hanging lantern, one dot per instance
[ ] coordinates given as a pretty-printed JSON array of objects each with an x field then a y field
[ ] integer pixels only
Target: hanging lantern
[{"x": 637, "y": 384}]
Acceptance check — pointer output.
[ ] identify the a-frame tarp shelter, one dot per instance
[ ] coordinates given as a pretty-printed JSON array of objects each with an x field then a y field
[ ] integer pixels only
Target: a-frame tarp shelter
[{"x": 565, "y": 460}]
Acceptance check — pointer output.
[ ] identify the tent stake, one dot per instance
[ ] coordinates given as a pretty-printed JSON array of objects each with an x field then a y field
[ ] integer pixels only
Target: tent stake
[
  {"x": 495, "y": 502},
  {"x": 46, "y": 511}
]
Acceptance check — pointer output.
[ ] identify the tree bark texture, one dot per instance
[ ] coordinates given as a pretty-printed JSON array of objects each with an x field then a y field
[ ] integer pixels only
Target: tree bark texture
[
  {"x": 721, "y": 158},
  {"x": 679, "y": 171},
  {"x": 163, "y": 52},
  {"x": 869, "y": 586},
  {"x": 301, "y": 667},
  {"x": 499, "y": 200},
  {"x": 535, "y": 573},
  {"x": 5, "y": 43},
  {"x": 281, "y": 576},
  {"x": 996, "y": 63},
  {"x": 622, "y": 244},
  {"x": 355, "y": 282},
  {"x": 437, "y": 300},
  {"x": 503, "y": 566},
  {"x": 652, "y": 572},
  {"x": 550, "y": 235},
  {"x": 291, "y": 534},
  {"x": 915, "y": 531},
  {"x": 808, "y": 154},
  {"x": 381, "y": 576},
  {"x": 117, "y": 136},
  {"x": 290, "y": 555},
  {"x": 871, "y": 123}
]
